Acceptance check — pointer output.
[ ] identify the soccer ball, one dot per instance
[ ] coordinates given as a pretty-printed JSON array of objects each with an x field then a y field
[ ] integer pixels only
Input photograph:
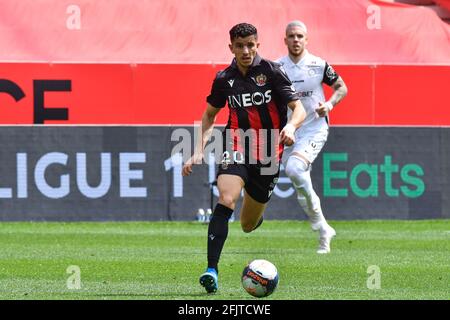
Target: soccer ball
[{"x": 260, "y": 278}]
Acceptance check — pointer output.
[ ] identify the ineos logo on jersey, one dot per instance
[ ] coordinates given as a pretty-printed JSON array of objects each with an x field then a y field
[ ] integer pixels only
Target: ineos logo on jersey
[{"x": 249, "y": 99}]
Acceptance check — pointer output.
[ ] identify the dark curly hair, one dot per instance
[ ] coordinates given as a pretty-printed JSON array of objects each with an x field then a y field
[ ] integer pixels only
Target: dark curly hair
[{"x": 243, "y": 30}]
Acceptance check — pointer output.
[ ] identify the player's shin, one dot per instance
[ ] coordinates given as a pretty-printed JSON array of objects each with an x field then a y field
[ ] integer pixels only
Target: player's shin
[
  {"x": 310, "y": 203},
  {"x": 217, "y": 234},
  {"x": 299, "y": 173}
]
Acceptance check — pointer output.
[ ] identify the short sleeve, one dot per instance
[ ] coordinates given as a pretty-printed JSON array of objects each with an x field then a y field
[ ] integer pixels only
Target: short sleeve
[
  {"x": 217, "y": 97},
  {"x": 329, "y": 75},
  {"x": 283, "y": 86}
]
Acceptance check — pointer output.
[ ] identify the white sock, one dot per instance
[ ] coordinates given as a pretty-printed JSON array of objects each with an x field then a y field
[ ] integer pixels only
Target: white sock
[{"x": 298, "y": 171}]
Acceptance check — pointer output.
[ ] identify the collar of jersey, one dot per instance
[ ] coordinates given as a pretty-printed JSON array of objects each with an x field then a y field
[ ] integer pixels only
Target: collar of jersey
[{"x": 302, "y": 60}]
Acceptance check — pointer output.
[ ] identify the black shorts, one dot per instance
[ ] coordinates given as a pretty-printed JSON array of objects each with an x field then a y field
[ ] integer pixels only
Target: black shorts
[{"x": 259, "y": 186}]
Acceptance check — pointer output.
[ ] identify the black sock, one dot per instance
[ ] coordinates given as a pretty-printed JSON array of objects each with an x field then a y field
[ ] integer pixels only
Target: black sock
[
  {"x": 217, "y": 233},
  {"x": 259, "y": 223}
]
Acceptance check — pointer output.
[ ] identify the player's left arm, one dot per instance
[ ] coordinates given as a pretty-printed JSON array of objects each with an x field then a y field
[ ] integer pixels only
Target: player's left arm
[{"x": 339, "y": 91}]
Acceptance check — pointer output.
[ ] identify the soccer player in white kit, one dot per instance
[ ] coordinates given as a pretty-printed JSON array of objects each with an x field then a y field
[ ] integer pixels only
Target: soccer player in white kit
[{"x": 307, "y": 73}]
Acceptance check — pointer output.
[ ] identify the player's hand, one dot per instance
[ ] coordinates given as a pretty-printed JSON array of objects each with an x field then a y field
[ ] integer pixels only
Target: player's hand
[
  {"x": 197, "y": 158},
  {"x": 324, "y": 109},
  {"x": 287, "y": 136}
]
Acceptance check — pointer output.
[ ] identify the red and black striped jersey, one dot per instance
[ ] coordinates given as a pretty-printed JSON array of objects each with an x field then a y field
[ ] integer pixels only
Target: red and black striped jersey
[{"x": 256, "y": 101}]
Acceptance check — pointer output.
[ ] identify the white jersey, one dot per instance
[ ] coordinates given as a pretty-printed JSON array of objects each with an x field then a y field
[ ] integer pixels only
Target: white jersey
[{"x": 307, "y": 77}]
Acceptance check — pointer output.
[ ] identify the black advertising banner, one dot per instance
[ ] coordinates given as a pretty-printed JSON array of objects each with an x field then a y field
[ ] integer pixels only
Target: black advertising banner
[{"x": 97, "y": 173}]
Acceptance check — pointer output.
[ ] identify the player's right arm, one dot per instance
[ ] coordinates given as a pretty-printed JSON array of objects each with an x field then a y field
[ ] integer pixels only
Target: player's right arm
[{"x": 208, "y": 120}]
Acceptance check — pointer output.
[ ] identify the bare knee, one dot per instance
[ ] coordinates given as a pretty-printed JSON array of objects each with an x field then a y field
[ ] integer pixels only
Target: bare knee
[{"x": 227, "y": 200}]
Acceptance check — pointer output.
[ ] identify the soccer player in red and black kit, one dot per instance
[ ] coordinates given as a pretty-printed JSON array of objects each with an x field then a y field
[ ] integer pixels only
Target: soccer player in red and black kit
[{"x": 258, "y": 93}]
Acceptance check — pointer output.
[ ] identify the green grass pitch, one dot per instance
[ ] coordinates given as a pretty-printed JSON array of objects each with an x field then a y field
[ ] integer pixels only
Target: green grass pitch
[{"x": 163, "y": 260}]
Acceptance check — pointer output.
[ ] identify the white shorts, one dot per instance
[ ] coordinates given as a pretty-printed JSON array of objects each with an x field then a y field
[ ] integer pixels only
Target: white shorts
[{"x": 308, "y": 144}]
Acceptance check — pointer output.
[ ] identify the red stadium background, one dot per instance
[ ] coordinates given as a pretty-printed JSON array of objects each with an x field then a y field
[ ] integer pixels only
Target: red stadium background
[
  {"x": 173, "y": 94},
  {"x": 152, "y": 62}
]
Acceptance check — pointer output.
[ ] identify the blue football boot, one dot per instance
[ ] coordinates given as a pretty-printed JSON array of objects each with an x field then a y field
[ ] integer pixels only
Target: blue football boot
[{"x": 210, "y": 280}]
